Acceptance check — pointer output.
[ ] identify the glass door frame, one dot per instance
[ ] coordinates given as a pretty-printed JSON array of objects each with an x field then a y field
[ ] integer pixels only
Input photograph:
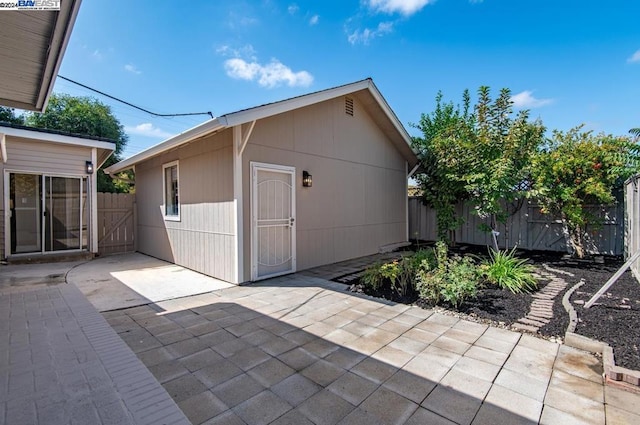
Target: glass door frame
[{"x": 85, "y": 193}]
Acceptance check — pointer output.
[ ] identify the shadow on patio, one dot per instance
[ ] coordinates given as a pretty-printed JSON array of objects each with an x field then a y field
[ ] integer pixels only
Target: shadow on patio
[{"x": 290, "y": 350}]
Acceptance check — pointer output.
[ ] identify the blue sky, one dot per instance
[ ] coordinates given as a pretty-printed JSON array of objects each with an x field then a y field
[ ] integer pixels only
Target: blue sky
[{"x": 568, "y": 61}]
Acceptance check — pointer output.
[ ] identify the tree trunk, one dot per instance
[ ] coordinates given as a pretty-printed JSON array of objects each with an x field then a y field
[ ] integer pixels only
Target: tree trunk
[{"x": 577, "y": 241}]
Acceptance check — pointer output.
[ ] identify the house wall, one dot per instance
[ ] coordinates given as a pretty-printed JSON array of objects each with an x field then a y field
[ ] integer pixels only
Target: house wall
[
  {"x": 27, "y": 155},
  {"x": 203, "y": 239},
  {"x": 358, "y": 199}
]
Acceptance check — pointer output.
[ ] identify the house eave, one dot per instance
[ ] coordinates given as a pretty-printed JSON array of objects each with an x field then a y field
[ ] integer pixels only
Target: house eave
[
  {"x": 28, "y": 74},
  {"x": 196, "y": 132}
]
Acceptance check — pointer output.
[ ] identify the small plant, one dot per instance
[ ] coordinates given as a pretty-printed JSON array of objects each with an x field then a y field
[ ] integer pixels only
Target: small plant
[
  {"x": 507, "y": 271},
  {"x": 372, "y": 277},
  {"x": 390, "y": 270},
  {"x": 452, "y": 280},
  {"x": 406, "y": 272},
  {"x": 461, "y": 281}
]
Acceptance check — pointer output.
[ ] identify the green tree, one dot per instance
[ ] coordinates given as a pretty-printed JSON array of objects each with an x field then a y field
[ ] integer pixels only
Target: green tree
[
  {"x": 576, "y": 169},
  {"x": 442, "y": 153},
  {"x": 88, "y": 117},
  {"x": 483, "y": 157},
  {"x": 499, "y": 157},
  {"x": 9, "y": 115}
]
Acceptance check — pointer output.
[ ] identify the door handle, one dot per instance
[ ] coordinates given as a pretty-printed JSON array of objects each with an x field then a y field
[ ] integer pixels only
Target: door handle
[{"x": 291, "y": 221}]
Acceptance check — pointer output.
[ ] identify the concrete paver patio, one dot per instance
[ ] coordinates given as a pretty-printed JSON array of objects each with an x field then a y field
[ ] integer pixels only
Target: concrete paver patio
[
  {"x": 301, "y": 350},
  {"x": 293, "y": 350}
]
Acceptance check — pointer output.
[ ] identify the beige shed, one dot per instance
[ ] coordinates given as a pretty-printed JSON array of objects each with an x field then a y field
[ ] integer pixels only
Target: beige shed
[
  {"x": 278, "y": 188},
  {"x": 48, "y": 192}
]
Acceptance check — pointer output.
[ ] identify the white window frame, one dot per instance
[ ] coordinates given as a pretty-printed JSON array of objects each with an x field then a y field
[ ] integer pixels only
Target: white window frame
[{"x": 164, "y": 190}]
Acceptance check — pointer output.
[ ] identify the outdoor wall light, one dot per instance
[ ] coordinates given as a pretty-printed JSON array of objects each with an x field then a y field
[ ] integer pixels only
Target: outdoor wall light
[
  {"x": 307, "y": 180},
  {"x": 89, "y": 166}
]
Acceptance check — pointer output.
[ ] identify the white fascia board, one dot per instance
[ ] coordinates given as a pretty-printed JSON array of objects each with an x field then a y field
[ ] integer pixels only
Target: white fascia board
[
  {"x": 57, "y": 138},
  {"x": 60, "y": 37},
  {"x": 392, "y": 116},
  {"x": 260, "y": 112},
  {"x": 171, "y": 143}
]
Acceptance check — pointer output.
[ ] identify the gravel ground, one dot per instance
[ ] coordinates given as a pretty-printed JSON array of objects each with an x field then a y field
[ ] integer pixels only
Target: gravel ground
[{"x": 615, "y": 319}]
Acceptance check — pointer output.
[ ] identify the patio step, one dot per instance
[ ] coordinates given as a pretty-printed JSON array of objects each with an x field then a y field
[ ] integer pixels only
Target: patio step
[{"x": 50, "y": 258}]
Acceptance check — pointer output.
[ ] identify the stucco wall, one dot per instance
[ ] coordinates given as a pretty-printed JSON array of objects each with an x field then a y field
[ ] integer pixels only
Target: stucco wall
[
  {"x": 358, "y": 199},
  {"x": 203, "y": 239}
]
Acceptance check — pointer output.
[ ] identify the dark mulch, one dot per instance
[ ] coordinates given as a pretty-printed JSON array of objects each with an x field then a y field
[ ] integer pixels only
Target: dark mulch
[{"x": 615, "y": 319}]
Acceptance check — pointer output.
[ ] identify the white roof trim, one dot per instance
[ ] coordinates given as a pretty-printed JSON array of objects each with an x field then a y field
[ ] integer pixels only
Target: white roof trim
[
  {"x": 260, "y": 112},
  {"x": 3, "y": 147},
  {"x": 57, "y": 138},
  {"x": 59, "y": 38},
  {"x": 173, "y": 142}
]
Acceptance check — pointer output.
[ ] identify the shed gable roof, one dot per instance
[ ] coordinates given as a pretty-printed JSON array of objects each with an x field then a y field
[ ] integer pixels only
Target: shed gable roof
[{"x": 365, "y": 90}]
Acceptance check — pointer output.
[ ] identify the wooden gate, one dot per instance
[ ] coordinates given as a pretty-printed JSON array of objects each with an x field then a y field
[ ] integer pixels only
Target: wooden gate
[{"x": 116, "y": 223}]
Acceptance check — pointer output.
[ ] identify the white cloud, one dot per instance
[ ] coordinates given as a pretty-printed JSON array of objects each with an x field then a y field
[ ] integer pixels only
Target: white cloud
[
  {"x": 97, "y": 54},
  {"x": 526, "y": 99},
  {"x": 132, "y": 69},
  {"x": 635, "y": 57},
  {"x": 314, "y": 20},
  {"x": 247, "y": 51},
  {"x": 148, "y": 130},
  {"x": 293, "y": 9},
  {"x": 270, "y": 75},
  {"x": 405, "y": 7},
  {"x": 366, "y": 35}
]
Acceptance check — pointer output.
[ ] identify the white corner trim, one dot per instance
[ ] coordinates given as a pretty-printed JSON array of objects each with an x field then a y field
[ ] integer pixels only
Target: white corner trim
[
  {"x": 239, "y": 143},
  {"x": 3, "y": 147},
  {"x": 93, "y": 178}
]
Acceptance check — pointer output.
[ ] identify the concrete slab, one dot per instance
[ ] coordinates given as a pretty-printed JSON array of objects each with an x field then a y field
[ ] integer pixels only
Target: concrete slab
[{"x": 128, "y": 280}]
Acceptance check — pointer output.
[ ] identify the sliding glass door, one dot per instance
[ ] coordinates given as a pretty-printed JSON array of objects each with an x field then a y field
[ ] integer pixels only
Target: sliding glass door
[{"x": 48, "y": 213}]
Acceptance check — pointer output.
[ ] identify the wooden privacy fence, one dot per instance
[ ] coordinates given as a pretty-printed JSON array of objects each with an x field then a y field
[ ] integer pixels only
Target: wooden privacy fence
[
  {"x": 116, "y": 223},
  {"x": 527, "y": 228}
]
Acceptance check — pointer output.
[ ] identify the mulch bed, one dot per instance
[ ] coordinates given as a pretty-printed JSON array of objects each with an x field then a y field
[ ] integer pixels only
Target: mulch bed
[{"x": 615, "y": 319}]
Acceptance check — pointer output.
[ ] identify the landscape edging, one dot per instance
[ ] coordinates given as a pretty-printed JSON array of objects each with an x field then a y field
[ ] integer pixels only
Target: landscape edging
[{"x": 611, "y": 371}]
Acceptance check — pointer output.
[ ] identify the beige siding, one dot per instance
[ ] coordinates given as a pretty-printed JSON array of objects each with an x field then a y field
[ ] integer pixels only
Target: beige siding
[
  {"x": 2, "y": 233},
  {"x": 42, "y": 157},
  {"x": 357, "y": 202},
  {"x": 203, "y": 239},
  {"x": 48, "y": 158}
]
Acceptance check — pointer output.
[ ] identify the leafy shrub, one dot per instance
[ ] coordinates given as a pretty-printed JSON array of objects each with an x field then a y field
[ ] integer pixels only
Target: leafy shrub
[
  {"x": 461, "y": 281},
  {"x": 451, "y": 280},
  {"x": 507, "y": 271},
  {"x": 372, "y": 278}
]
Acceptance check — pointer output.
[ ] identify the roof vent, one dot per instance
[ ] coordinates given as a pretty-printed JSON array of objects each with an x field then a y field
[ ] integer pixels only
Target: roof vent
[{"x": 348, "y": 106}]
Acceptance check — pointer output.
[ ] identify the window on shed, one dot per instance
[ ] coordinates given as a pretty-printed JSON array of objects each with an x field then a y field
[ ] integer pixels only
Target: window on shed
[{"x": 171, "y": 199}]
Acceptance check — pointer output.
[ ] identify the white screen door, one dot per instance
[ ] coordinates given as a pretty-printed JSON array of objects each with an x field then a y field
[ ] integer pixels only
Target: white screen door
[{"x": 273, "y": 216}]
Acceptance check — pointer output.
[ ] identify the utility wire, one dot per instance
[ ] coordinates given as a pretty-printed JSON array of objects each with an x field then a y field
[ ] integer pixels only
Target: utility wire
[{"x": 132, "y": 105}]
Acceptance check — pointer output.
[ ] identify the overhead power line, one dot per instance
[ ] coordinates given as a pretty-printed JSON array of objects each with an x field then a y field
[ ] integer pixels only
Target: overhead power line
[{"x": 132, "y": 105}]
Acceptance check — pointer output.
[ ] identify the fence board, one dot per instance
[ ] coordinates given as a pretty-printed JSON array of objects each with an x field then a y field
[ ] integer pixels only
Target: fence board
[
  {"x": 116, "y": 223},
  {"x": 527, "y": 228}
]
